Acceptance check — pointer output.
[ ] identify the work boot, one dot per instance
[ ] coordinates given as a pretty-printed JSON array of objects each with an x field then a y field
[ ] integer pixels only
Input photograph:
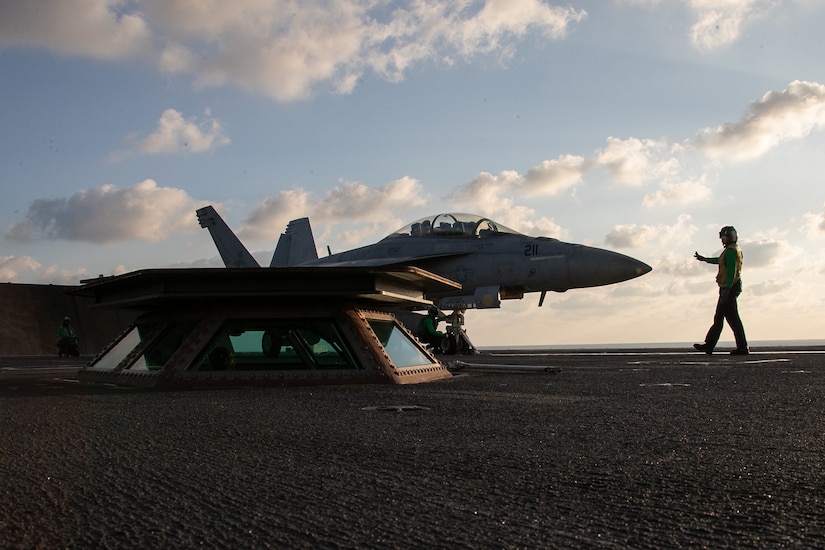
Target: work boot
[
  {"x": 704, "y": 347},
  {"x": 743, "y": 351}
]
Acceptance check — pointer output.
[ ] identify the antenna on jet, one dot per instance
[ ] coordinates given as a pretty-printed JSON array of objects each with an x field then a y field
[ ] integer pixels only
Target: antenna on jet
[{"x": 329, "y": 251}]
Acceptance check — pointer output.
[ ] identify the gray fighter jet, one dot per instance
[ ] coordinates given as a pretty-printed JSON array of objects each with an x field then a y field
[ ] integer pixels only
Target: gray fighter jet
[{"x": 492, "y": 262}]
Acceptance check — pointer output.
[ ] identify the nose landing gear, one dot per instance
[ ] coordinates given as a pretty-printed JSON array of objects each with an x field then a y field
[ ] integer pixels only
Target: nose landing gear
[{"x": 455, "y": 339}]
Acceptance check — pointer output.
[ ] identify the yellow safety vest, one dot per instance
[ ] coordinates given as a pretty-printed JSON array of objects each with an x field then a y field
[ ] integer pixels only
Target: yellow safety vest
[{"x": 722, "y": 275}]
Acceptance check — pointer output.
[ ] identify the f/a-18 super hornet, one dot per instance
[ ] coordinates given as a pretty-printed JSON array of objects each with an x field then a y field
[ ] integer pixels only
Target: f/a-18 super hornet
[{"x": 491, "y": 261}]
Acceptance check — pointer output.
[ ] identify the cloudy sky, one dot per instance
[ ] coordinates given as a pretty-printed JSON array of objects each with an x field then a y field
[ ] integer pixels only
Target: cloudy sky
[{"x": 640, "y": 126}]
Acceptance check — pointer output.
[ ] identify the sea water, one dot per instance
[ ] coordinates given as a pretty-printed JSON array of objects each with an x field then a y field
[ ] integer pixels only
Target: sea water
[{"x": 721, "y": 346}]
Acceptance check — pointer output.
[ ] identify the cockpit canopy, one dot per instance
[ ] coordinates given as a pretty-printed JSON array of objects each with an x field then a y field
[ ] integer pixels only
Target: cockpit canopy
[{"x": 453, "y": 225}]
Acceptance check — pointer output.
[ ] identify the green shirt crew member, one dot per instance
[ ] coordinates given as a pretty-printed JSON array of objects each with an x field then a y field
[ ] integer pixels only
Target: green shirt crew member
[
  {"x": 428, "y": 328},
  {"x": 67, "y": 339},
  {"x": 728, "y": 278}
]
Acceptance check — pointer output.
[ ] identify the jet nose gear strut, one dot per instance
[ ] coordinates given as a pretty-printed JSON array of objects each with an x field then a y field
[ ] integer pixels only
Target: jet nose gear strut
[{"x": 455, "y": 338}]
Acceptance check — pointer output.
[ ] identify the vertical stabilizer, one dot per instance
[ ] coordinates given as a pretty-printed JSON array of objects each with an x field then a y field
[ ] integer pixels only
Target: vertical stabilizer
[
  {"x": 232, "y": 251},
  {"x": 295, "y": 246}
]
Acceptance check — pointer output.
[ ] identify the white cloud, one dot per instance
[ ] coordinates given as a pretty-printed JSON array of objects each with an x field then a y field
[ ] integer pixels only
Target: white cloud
[
  {"x": 813, "y": 224},
  {"x": 681, "y": 267},
  {"x": 486, "y": 189},
  {"x": 792, "y": 113},
  {"x": 288, "y": 51},
  {"x": 634, "y": 161},
  {"x": 682, "y": 192},
  {"x": 108, "y": 214},
  {"x": 638, "y": 2},
  {"x": 716, "y": 23},
  {"x": 494, "y": 196},
  {"x": 347, "y": 202},
  {"x": 269, "y": 217},
  {"x": 767, "y": 288},
  {"x": 358, "y": 212},
  {"x": 554, "y": 176},
  {"x": 356, "y": 201},
  {"x": 498, "y": 19},
  {"x": 527, "y": 221},
  {"x": 765, "y": 253},
  {"x": 721, "y": 22},
  {"x": 11, "y": 267},
  {"x": 631, "y": 161},
  {"x": 283, "y": 49},
  {"x": 175, "y": 134},
  {"x": 520, "y": 218},
  {"x": 549, "y": 178},
  {"x": 487, "y": 200},
  {"x": 102, "y": 29},
  {"x": 55, "y": 275},
  {"x": 25, "y": 269},
  {"x": 637, "y": 236},
  {"x": 629, "y": 235}
]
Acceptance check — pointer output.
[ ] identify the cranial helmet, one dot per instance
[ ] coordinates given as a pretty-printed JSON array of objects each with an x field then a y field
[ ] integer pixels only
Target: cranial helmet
[
  {"x": 66, "y": 320},
  {"x": 433, "y": 311},
  {"x": 730, "y": 232}
]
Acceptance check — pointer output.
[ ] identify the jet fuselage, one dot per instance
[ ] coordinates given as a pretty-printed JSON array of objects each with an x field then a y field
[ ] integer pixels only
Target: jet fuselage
[
  {"x": 491, "y": 261},
  {"x": 481, "y": 254}
]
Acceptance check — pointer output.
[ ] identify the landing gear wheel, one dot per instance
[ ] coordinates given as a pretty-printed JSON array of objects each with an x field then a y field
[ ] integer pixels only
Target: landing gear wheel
[{"x": 451, "y": 344}]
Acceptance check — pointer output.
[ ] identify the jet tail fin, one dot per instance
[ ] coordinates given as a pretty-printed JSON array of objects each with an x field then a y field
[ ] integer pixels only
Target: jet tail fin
[
  {"x": 232, "y": 251},
  {"x": 295, "y": 246}
]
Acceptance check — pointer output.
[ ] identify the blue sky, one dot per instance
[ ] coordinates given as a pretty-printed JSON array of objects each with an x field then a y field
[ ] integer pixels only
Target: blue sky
[{"x": 641, "y": 126}]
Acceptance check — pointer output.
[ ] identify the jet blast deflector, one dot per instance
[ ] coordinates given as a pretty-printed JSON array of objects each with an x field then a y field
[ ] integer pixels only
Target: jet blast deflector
[{"x": 240, "y": 327}]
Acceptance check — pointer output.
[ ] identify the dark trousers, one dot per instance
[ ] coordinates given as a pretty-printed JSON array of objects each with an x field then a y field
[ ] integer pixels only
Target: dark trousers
[{"x": 727, "y": 311}]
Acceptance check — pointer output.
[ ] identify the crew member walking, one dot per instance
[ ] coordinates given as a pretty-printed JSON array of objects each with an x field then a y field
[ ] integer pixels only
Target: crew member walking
[{"x": 730, "y": 286}]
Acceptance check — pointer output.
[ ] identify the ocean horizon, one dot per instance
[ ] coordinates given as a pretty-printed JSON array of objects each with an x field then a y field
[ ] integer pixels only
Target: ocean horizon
[{"x": 723, "y": 345}]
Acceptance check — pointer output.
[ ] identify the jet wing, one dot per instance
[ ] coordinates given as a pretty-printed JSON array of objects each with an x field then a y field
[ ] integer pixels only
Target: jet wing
[{"x": 392, "y": 260}]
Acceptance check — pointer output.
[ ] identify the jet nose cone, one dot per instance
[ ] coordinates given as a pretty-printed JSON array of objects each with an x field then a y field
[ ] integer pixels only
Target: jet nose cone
[{"x": 596, "y": 267}]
